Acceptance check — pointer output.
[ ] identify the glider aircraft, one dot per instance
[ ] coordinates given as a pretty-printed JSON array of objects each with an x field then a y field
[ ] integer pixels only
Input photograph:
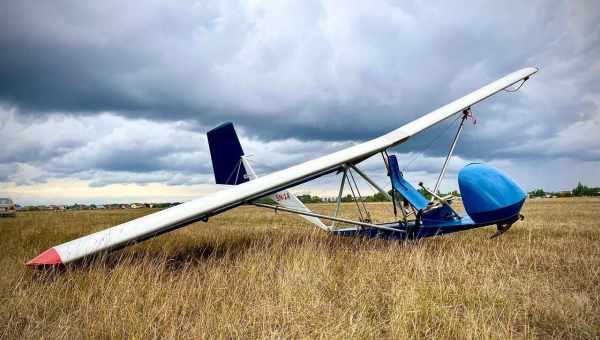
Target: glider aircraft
[{"x": 489, "y": 196}]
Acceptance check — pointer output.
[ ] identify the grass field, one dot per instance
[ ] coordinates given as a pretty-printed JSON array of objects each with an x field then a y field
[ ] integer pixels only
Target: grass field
[{"x": 254, "y": 274}]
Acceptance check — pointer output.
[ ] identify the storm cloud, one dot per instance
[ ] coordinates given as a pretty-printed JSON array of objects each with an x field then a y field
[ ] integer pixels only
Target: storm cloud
[{"x": 112, "y": 92}]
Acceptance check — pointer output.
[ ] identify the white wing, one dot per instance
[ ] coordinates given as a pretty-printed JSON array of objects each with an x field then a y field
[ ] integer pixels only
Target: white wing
[{"x": 201, "y": 208}]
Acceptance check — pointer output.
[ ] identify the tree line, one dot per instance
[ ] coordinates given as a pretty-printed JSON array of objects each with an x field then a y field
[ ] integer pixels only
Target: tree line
[
  {"x": 377, "y": 197},
  {"x": 579, "y": 191}
]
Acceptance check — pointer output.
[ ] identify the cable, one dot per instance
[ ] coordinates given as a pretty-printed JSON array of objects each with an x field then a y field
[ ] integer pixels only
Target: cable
[
  {"x": 519, "y": 87},
  {"x": 354, "y": 196},
  {"x": 237, "y": 175},
  {"x": 446, "y": 129},
  {"x": 237, "y": 167},
  {"x": 360, "y": 196}
]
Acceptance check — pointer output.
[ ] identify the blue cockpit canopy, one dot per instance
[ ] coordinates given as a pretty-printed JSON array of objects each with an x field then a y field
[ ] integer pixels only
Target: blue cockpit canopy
[{"x": 488, "y": 195}]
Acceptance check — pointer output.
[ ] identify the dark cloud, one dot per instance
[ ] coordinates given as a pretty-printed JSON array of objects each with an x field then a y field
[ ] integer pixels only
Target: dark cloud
[{"x": 125, "y": 92}]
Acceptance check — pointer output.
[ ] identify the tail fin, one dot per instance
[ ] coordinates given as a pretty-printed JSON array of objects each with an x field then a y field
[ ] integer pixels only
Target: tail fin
[
  {"x": 230, "y": 167},
  {"x": 226, "y": 154}
]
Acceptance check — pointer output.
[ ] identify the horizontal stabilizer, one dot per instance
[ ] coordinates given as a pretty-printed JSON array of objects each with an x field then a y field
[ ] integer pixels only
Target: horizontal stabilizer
[{"x": 286, "y": 198}]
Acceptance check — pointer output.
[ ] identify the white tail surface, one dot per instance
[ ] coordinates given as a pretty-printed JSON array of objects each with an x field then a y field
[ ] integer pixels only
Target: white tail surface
[{"x": 285, "y": 198}]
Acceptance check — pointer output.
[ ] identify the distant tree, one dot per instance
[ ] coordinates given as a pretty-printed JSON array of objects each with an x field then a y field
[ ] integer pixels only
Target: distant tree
[
  {"x": 377, "y": 197},
  {"x": 348, "y": 198},
  {"x": 537, "y": 193},
  {"x": 424, "y": 193},
  {"x": 579, "y": 189},
  {"x": 582, "y": 190},
  {"x": 306, "y": 198},
  {"x": 266, "y": 200}
]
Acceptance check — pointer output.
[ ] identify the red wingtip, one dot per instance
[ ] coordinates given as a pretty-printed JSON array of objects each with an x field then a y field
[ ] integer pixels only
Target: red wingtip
[{"x": 49, "y": 257}]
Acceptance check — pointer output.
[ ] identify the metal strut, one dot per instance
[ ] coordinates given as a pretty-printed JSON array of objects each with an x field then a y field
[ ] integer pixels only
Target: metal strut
[
  {"x": 339, "y": 198},
  {"x": 325, "y": 217},
  {"x": 347, "y": 176},
  {"x": 385, "y": 193},
  {"x": 356, "y": 200},
  {"x": 368, "y": 179},
  {"x": 466, "y": 114}
]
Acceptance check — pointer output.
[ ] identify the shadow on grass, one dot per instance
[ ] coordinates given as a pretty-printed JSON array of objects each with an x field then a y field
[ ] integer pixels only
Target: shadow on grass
[{"x": 229, "y": 249}]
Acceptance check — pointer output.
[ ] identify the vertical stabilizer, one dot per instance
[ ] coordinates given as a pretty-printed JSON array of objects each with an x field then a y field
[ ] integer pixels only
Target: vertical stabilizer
[
  {"x": 226, "y": 154},
  {"x": 232, "y": 168}
]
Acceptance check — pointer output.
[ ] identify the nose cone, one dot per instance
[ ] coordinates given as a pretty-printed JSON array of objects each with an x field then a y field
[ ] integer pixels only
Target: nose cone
[
  {"x": 488, "y": 195},
  {"x": 49, "y": 257}
]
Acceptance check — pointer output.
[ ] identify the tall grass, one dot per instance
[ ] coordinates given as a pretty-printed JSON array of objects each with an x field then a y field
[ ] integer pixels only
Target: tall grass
[{"x": 254, "y": 274}]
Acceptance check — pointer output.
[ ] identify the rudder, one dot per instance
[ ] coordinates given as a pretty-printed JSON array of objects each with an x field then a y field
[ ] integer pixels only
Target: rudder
[{"x": 226, "y": 152}]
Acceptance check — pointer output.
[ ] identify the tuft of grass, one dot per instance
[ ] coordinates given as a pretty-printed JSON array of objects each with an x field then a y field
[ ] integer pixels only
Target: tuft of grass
[{"x": 254, "y": 274}]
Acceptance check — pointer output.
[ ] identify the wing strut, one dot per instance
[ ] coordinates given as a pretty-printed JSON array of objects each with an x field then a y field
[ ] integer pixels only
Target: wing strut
[
  {"x": 339, "y": 198},
  {"x": 358, "y": 197},
  {"x": 325, "y": 217},
  {"x": 466, "y": 114},
  {"x": 370, "y": 181},
  {"x": 346, "y": 177}
]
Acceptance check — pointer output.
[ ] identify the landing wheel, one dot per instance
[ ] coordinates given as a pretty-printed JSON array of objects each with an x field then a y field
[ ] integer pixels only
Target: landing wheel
[{"x": 501, "y": 229}]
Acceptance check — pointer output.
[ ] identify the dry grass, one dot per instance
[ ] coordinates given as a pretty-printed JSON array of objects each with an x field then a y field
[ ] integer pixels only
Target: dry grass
[{"x": 251, "y": 273}]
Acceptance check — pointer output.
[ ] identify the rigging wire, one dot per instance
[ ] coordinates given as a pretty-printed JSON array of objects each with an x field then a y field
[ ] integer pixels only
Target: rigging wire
[
  {"x": 434, "y": 139},
  {"x": 354, "y": 196},
  {"x": 360, "y": 196},
  {"x": 384, "y": 155},
  {"x": 237, "y": 167},
  {"x": 237, "y": 175},
  {"x": 518, "y": 87}
]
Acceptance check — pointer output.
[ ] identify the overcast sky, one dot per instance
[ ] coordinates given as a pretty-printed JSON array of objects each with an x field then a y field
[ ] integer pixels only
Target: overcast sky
[{"x": 110, "y": 101}]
